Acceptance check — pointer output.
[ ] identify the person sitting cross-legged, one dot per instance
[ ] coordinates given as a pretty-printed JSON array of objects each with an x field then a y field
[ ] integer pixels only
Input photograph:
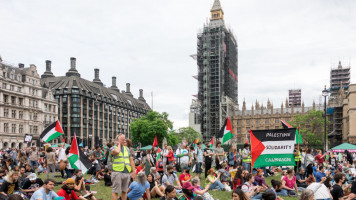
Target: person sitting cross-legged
[
  {"x": 45, "y": 192},
  {"x": 170, "y": 178},
  {"x": 67, "y": 190},
  {"x": 139, "y": 188},
  {"x": 251, "y": 191},
  {"x": 155, "y": 190}
]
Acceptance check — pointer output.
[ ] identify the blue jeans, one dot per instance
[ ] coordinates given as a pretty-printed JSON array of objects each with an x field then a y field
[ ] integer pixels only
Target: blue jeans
[
  {"x": 257, "y": 196},
  {"x": 216, "y": 185},
  {"x": 247, "y": 166},
  {"x": 34, "y": 164},
  {"x": 285, "y": 192},
  {"x": 198, "y": 168}
]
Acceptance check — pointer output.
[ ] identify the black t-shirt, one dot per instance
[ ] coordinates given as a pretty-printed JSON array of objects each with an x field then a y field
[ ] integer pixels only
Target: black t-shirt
[
  {"x": 107, "y": 180},
  {"x": 152, "y": 185},
  {"x": 207, "y": 158},
  {"x": 353, "y": 187},
  {"x": 337, "y": 192},
  {"x": 9, "y": 188},
  {"x": 29, "y": 185}
]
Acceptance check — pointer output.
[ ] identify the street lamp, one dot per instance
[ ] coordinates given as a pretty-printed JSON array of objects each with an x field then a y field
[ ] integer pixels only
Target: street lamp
[{"x": 325, "y": 93}]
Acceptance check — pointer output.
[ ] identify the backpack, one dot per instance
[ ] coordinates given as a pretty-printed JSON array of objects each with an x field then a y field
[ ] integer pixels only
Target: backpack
[
  {"x": 175, "y": 177},
  {"x": 160, "y": 164}
]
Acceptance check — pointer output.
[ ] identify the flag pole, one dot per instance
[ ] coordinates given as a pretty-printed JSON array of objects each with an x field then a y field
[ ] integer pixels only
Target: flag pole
[{"x": 251, "y": 150}]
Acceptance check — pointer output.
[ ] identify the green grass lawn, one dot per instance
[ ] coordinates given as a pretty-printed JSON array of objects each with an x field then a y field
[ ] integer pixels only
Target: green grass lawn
[{"x": 104, "y": 192}]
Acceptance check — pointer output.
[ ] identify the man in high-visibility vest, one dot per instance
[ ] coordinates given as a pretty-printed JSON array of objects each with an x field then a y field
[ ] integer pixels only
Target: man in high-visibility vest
[
  {"x": 246, "y": 157},
  {"x": 123, "y": 165},
  {"x": 297, "y": 158}
]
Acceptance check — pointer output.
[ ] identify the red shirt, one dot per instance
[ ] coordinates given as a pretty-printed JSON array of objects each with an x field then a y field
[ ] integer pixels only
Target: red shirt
[
  {"x": 138, "y": 169},
  {"x": 236, "y": 183},
  {"x": 170, "y": 156},
  {"x": 63, "y": 193},
  {"x": 319, "y": 158},
  {"x": 184, "y": 177}
]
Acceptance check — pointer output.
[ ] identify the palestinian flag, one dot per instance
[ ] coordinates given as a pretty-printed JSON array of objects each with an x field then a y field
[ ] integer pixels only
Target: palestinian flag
[
  {"x": 211, "y": 143},
  {"x": 77, "y": 159},
  {"x": 272, "y": 147},
  {"x": 298, "y": 136},
  {"x": 226, "y": 131},
  {"x": 158, "y": 154},
  {"x": 52, "y": 132}
]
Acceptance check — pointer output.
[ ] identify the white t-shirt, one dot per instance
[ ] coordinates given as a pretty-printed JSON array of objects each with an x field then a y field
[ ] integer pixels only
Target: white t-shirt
[
  {"x": 320, "y": 191},
  {"x": 183, "y": 159},
  {"x": 62, "y": 154}
]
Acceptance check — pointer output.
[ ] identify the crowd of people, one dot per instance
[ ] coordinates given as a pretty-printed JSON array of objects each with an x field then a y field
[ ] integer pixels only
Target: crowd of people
[{"x": 174, "y": 174}]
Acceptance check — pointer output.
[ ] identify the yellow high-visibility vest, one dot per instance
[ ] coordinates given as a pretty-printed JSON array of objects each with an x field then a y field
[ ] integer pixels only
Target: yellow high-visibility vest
[
  {"x": 248, "y": 159},
  {"x": 121, "y": 161}
]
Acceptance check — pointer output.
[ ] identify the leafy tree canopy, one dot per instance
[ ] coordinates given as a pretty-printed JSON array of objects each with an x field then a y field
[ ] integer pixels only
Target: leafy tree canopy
[
  {"x": 145, "y": 129},
  {"x": 311, "y": 127}
]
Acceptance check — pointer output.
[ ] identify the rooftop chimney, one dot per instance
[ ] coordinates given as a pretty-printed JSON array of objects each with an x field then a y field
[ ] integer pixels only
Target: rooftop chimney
[
  {"x": 113, "y": 84},
  {"x": 96, "y": 77},
  {"x": 48, "y": 72},
  {"x": 21, "y": 65},
  {"x": 141, "y": 96},
  {"x": 72, "y": 71},
  {"x": 128, "y": 92}
]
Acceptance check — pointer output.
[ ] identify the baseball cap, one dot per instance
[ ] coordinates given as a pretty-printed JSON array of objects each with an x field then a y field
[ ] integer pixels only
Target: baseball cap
[
  {"x": 188, "y": 186},
  {"x": 32, "y": 177},
  {"x": 70, "y": 180}
]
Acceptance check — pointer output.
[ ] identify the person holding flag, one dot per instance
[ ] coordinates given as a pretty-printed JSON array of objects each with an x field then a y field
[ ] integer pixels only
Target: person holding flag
[{"x": 123, "y": 165}]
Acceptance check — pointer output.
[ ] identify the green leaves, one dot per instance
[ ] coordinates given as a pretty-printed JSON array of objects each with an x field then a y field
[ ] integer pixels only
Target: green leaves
[{"x": 143, "y": 130}]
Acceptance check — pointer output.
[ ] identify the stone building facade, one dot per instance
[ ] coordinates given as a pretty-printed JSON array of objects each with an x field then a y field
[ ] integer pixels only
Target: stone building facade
[
  {"x": 261, "y": 117},
  {"x": 342, "y": 114},
  {"x": 25, "y": 107},
  {"x": 92, "y": 111}
]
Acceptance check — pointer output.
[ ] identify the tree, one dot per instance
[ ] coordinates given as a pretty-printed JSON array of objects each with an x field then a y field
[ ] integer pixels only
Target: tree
[
  {"x": 188, "y": 133},
  {"x": 311, "y": 127},
  {"x": 145, "y": 129},
  {"x": 172, "y": 138}
]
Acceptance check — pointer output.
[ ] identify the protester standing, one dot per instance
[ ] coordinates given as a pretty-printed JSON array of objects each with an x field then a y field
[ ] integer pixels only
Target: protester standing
[
  {"x": 219, "y": 152},
  {"x": 50, "y": 162},
  {"x": 199, "y": 159},
  {"x": 208, "y": 154},
  {"x": 246, "y": 158},
  {"x": 123, "y": 165}
]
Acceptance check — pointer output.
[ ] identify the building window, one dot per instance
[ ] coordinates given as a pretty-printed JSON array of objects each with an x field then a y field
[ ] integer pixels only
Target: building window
[
  {"x": 20, "y": 114},
  {"x": 45, "y": 107},
  {"x": 276, "y": 121},
  {"x": 13, "y": 128},
  {"x": 30, "y": 116},
  {"x": 20, "y": 101},
  {"x": 54, "y": 109},
  {"x": 20, "y": 128},
  {"x": 35, "y": 129},
  {"x": 6, "y": 99},
  {"x": 34, "y": 116},
  {"x": 13, "y": 113},
  {"x": 6, "y": 127},
  {"x": 3, "y": 85},
  {"x": 12, "y": 87},
  {"x": 267, "y": 121},
  {"x": 257, "y": 121},
  {"x": 19, "y": 89},
  {"x": 6, "y": 112},
  {"x": 30, "y": 129},
  {"x": 13, "y": 100}
]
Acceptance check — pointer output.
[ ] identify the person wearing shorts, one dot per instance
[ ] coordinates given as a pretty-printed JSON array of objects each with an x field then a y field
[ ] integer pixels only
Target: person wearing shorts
[{"x": 123, "y": 168}]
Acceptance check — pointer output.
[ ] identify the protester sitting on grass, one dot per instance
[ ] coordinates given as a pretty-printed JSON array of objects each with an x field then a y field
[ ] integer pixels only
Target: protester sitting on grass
[
  {"x": 300, "y": 177},
  {"x": 309, "y": 175},
  {"x": 32, "y": 184},
  {"x": 307, "y": 195},
  {"x": 268, "y": 196},
  {"x": 80, "y": 190},
  {"x": 290, "y": 187},
  {"x": 337, "y": 191},
  {"x": 169, "y": 193},
  {"x": 22, "y": 176},
  {"x": 45, "y": 192},
  {"x": 140, "y": 167},
  {"x": 322, "y": 189},
  {"x": 320, "y": 174},
  {"x": 188, "y": 193},
  {"x": 170, "y": 178},
  {"x": 2, "y": 175},
  {"x": 276, "y": 188},
  {"x": 238, "y": 179},
  {"x": 159, "y": 167},
  {"x": 185, "y": 176},
  {"x": 107, "y": 177},
  {"x": 156, "y": 175},
  {"x": 14, "y": 197},
  {"x": 139, "y": 187},
  {"x": 251, "y": 191},
  {"x": 154, "y": 187},
  {"x": 67, "y": 190},
  {"x": 260, "y": 180},
  {"x": 10, "y": 185},
  {"x": 225, "y": 174},
  {"x": 238, "y": 194},
  {"x": 202, "y": 192},
  {"x": 214, "y": 181}
]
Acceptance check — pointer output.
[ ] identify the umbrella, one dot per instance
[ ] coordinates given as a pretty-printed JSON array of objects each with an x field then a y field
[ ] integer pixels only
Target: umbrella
[
  {"x": 343, "y": 147},
  {"x": 149, "y": 147}
]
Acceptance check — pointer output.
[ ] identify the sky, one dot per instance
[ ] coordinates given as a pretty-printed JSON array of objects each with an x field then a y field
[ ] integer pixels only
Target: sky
[{"x": 282, "y": 44}]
